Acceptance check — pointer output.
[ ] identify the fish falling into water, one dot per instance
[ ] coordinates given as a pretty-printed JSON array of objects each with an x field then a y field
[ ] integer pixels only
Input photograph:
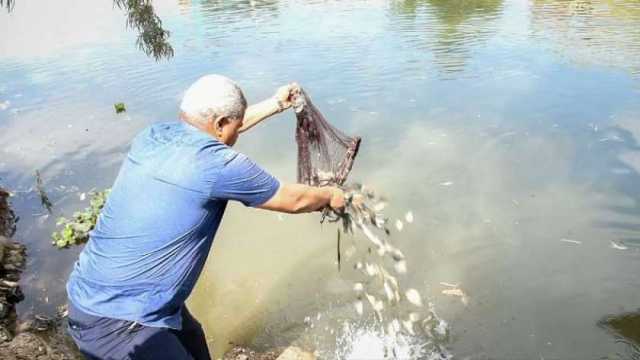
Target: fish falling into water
[{"x": 379, "y": 265}]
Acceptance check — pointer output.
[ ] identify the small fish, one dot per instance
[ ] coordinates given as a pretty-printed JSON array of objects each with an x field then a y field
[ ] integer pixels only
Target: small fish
[
  {"x": 371, "y": 270},
  {"x": 5, "y": 105},
  {"x": 350, "y": 251},
  {"x": 358, "y": 287},
  {"x": 409, "y": 217},
  {"x": 392, "y": 333},
  {"x": 618, "y": 246},
  {"x": 83, "y": 196},
  {"x": 396, "y": 254},
  {"x": 400, "y": 267},
  {"x": 370, "y": 235},
  {"x": 379, "y": 206},
  {"x": 408, "y": 325},
  {"x": 414, "y": 317},
  {"x": 446, "y": 183},
  {"x": 571, "y": 241},
  {"x": 399, "y": 225},
  {"x": 378, "y": 306},
  {"x": 359, "y": 307},
  {"x": 388, "y": 292},
  {"x": 371, "y": 299},
  {"x": 413, "y": 296},
  {"x": 395, "y": 324},
  {"x": 453, "y": 292}
]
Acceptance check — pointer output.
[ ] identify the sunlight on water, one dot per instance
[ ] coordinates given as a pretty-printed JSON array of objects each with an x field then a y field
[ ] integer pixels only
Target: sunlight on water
[{"x": 369, "y": 342}]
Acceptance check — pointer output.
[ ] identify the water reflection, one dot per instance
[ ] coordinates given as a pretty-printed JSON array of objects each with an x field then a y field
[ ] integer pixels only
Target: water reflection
[
  {"x": 241, "y": 7},
  {"x": 597, "y": 32},
  {"x": 448, "y": 30}
]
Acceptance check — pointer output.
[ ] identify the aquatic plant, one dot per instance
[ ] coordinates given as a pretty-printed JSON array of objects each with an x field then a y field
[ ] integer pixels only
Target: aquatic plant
[
  {"x": 75, "y": 231},
  {"x": 44, "y": 198},
  {"x": 119, "y": 107}
]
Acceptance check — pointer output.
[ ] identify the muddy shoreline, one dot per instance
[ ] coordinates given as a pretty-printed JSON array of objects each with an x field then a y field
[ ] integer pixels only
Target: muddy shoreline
[{"x": 39, "y": 337}]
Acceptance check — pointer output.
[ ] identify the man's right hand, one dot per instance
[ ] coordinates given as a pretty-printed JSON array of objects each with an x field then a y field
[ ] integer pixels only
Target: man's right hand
[
  {"x": 337, "y": 199},
  {"x": 298, "y": 198}
]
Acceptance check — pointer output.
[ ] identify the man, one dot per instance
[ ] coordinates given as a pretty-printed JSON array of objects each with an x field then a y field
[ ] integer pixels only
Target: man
[{"x": 128, "y": 287}]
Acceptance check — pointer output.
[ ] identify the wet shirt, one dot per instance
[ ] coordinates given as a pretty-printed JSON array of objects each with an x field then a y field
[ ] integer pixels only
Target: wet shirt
[{"x": 157, "y": 226}]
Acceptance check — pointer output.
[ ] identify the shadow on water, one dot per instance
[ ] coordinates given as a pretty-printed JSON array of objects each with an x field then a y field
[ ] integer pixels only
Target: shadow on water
[{"x": 626, "y": 329}]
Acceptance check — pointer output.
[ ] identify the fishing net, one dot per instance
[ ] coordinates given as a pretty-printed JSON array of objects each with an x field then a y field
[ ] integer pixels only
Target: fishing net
[
  {"x": 325, "y": 154},
  {"x": 407, "y": 328}
]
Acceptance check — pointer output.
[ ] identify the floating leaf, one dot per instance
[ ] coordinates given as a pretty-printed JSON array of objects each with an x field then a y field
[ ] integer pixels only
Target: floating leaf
[{"x": 119, "y": 107}]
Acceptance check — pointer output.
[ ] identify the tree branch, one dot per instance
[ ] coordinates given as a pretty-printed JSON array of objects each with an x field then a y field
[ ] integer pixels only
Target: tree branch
[
  {"x": 8, "y": 4},
  {"x": 152, "y": 38}
]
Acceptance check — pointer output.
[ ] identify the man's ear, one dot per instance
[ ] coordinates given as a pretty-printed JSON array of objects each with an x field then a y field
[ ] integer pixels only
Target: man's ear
[{"x": 219, "y": 122}]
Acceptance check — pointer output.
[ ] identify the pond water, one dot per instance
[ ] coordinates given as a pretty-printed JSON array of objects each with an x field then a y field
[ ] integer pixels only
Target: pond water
[{"x": 509, "y": 127}]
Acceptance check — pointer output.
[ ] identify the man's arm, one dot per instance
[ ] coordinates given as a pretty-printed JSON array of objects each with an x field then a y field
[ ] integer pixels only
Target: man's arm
[
  {"x": 260, "y": 111},
  {"x": 256, "y": 113},
  {"x": 298, "y": 198}
]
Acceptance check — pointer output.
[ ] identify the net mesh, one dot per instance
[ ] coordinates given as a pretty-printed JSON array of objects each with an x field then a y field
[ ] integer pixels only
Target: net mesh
[{"x": 325, "y": 154}]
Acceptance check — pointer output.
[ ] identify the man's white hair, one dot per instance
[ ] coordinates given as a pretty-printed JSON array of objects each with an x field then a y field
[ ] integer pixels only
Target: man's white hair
[{"x": 214, "y": 95}]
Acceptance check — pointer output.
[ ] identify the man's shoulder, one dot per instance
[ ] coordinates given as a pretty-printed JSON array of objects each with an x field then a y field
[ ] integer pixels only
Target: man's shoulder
[
  {"x": 167, "y": 131},
  {"x": 172, "y": 136}
]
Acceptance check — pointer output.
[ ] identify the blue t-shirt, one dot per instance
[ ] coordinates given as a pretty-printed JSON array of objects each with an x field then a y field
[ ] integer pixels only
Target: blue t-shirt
[{"x": 157, "y": 226}]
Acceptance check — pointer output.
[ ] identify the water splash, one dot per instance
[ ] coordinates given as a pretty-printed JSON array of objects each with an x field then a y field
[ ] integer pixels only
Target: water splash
[{"x": 370, "y": 341}]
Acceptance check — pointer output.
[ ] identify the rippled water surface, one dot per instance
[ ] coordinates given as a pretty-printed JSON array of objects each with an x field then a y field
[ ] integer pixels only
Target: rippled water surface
[{"x": 509, "y": 127}]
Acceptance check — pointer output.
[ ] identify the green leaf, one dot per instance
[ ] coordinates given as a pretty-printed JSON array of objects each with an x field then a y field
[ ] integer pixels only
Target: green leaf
[
  {"x": 119, "y": 107},
  {"x": 76, "y": 230}
]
